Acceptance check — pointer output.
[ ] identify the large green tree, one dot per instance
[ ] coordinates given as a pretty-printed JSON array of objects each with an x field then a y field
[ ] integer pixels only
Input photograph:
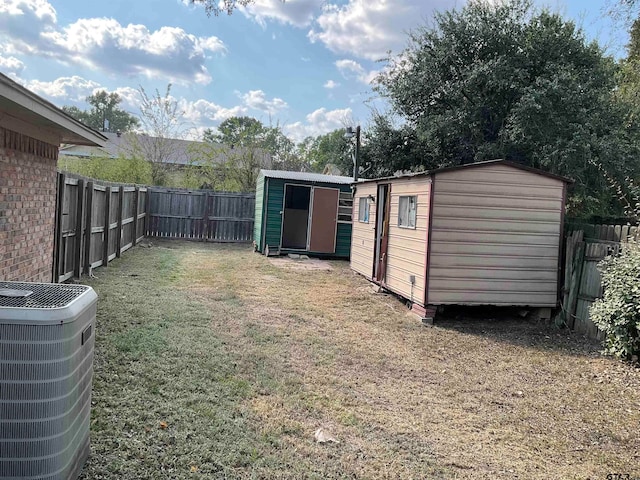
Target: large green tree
[
  {"x": 249, "y": 133},
  {"x": 237, "y": 131},
  {"x": 391, "y": 146},
  {"x": 332, "y": 148},
  {"x": 104, "y": 113},
  {"x": 232, "y": 156},
  {"x": 506, "y": 81},
  {"x": 629, "y": 81}
]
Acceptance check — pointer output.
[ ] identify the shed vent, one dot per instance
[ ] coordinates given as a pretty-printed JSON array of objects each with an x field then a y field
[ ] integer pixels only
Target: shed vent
[{"x": 46, "y": 370}]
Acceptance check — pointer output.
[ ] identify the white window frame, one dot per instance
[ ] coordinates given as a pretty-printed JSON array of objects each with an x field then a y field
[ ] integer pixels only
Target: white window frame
[
  {"x": 363, "y": 218},
  {"x": 345, "y": 207},
  {"x": 405, "y": 204}
]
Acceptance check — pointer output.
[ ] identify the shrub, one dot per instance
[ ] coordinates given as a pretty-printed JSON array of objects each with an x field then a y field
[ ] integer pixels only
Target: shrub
[
  {"x": 617, "y": 313},
  {"x": 119, "y": 170}
]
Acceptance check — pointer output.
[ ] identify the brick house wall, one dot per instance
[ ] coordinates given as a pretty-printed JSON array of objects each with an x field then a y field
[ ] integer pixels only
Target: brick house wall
[{"x": 27, "y": 207}]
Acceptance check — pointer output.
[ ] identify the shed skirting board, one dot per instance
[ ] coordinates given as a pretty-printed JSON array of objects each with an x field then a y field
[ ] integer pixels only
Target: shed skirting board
[{"x": 535, "y": 299}]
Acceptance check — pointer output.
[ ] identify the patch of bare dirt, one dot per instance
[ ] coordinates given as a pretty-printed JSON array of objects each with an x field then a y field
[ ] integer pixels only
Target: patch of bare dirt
[{"x": 300, "y": 264}]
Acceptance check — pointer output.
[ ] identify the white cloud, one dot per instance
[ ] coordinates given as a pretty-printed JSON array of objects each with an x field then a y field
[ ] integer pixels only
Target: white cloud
[
  {"x": 132, "y": 50},
  {"x": 10, "y": 64},
  {"x": 23, "y": 21},
  {"x": 198, "y": 114},
  {"x": 370, "y": 28},
  {"x": 30, "y": 26},
  {"x": 350, "y": 69},
  {"x": 130, "y": 97},
  {"x": 205, "y": 112},
  {"x": 299, "y": 13},
  {"x": 319, "y": 122},
  {"x": 257, "y": 100},
  {"x": 67, "y": 89},
  {"x": 331, "y": 84}
]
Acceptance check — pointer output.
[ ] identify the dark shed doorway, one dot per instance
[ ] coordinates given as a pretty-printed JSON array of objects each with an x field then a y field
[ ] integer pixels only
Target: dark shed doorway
[
  {"x": 295, "y": 221},
  {"x": 382, "y": 233}
]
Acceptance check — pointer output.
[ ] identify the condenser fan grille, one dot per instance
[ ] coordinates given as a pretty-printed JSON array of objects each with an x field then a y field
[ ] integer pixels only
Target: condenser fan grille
[{"x": 43, "y": 295}]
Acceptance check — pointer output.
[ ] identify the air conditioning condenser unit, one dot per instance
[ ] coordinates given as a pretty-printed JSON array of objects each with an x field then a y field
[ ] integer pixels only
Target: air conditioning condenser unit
[{"x": 46, "y": 370}]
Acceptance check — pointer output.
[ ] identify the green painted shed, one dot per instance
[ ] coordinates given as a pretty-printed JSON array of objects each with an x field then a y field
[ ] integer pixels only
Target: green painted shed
[{"x": 300, "y": 212}]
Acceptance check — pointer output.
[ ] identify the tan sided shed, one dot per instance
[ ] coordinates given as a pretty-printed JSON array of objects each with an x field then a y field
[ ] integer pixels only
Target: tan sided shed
[{"x": 486, "y": 233}]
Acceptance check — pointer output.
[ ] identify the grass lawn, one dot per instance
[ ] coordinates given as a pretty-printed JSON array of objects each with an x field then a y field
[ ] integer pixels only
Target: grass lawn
[{"x": 215, "y": 362}]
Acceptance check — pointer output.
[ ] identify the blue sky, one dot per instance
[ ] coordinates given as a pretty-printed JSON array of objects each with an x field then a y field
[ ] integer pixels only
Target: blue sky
[{"x": 303, "y": 64}]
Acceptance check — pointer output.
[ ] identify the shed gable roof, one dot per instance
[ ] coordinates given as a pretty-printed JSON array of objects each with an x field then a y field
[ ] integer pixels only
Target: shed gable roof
[{"x": 475, "y": 165}]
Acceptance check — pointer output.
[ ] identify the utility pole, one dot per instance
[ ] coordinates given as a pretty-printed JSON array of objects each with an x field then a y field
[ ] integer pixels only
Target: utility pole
[
  {"x": 356, "y": 160},
  {"x": 355, "y": 157}
]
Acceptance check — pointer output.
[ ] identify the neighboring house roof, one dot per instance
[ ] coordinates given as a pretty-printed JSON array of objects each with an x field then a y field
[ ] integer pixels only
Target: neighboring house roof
[
  {"x": 181, "y": 152},
  {"x": 124, "y": 144},
  {"x": 306, "y": 176},
  {"x": 472, "y": 165},
  {"x": 24, "y": 111}
]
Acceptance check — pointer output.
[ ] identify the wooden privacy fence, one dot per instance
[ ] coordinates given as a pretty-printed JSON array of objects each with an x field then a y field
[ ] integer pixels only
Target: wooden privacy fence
[
  {"x": 201, "y": 215},
  {"x": 95, "y": 223},
  {"x": 585, "y": 246}
]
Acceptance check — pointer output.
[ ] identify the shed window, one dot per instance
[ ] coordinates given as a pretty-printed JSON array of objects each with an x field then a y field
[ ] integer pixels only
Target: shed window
[
  {"x": 363, "y": 210},
  {"x": 345, "y": 207},
  {"x": 407, "y": 212}
]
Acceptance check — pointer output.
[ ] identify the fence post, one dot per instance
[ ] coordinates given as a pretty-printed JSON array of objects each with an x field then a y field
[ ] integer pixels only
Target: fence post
[
  {"x": 88, "y": 233},
  {"x": 119, "y": 231},
  {"x": 136, "y": 193},
  {"x": 77, "y": 254},
  {"x": 206, "y": 229},
  {"x": 107, "y": 224},
  {"x": 57, "y": 240},
  {"x": 147, "y": 216}
]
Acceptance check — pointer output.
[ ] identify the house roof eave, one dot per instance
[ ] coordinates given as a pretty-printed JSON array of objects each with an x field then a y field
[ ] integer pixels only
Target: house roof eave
[{"x": 19, "y": 103}]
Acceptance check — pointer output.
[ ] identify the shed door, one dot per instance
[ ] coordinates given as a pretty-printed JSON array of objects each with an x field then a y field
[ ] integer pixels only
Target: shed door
[{"x": 324, "y": 216}]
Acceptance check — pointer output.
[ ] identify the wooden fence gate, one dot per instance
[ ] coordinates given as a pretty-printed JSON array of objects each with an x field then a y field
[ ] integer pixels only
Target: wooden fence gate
[
  {"x": 585, "y": 247},
  {"x": 201, "y": 215}
]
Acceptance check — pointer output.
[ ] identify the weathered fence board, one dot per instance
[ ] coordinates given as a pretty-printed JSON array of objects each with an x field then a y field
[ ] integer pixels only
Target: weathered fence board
[
  {"x": 95, "y": 223},
  {"x": 201, "y": 215},
  {"x": 585, "y": 247}
]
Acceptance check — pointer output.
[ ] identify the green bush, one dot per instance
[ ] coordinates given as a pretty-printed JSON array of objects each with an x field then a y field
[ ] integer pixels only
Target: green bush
[
  {"x": 119, "y": 170},
  {"x": 617, "y": 313}
]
